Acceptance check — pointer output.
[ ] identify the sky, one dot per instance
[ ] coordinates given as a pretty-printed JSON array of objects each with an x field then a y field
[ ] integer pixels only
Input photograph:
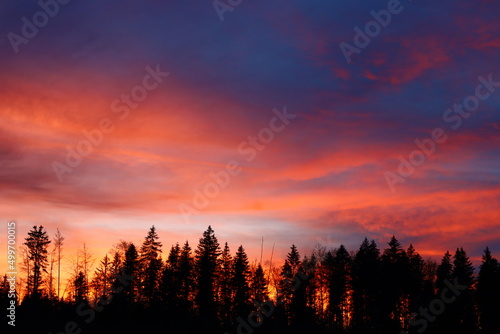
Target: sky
[{"x": 299, "y": 122}]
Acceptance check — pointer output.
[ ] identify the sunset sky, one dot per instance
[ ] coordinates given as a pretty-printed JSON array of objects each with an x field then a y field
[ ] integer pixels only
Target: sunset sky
[{"x": 320, "y": 177}]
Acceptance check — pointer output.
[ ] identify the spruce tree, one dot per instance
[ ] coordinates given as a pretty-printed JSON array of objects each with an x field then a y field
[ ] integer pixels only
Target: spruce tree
[
  {"x": 170, "y": 279},
  {"x": 150, "y": 264},
  {"x": 241, "y": 274},
  {"x": 463, "y": 310},
  {"x": 366, "y": 280},
  {"x": 37, "y": 243},
  {"x": 102, "y": 279},
  {"x": 488, "y": 293},
  {"x": 186, "y": 277},
  {"x": 225, "y": 291},
  {"x": 395, "y": 274},
  {"x": 413, "y": 288},
  {"x": 131, "y": 268},
  {"x": 81, "y": 288},
  {"x": 207, "y": 267},
  {"x": 258, "y": 286},
  {"x": 339, "y": 287}
]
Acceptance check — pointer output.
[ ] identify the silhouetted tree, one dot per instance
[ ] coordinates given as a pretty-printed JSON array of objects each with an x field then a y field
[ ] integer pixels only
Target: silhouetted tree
[
  {"x": 463, "y": 310},
  {"x": 116, "y": 267},
  {"x": 258, "y": 286},
  {"x": 413, "y": 288},
  {"x": 224, "y": 285},
  {"x": 395, "y": 274},
  {"x": 37, "y": 243},
  {"x": 102, "y": 279},
  {"x": 444, "y": 271},
  {"x": 293, "y": 258},
  {"x": 366, "y": 282},
  {"x": 150, "y": 264},
  {"x": 301, "y": 314},
  {"x": 488, "y": 293},
  {"x": 58, "y": 243},
  {"x": 170, "y": 285},
  {"x": 81, "y": 288},
  {"x": 441, "y": 324},
  {"x": 339, "y": 288},
  {"x": 186, "y": 276},
  {"x": 131, "y": 268},
  {"x": 308, "y": 278},
  {"x": 286, "y": 285},
  {"x": 207, "y": 266},
  {"x": 241, "y": 274}
]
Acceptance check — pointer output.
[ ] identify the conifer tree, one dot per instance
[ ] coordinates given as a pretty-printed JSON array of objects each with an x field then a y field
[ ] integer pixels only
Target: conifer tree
[
  {"x": 207, "y": 267},
  {"x": 225, "y": 291},
  {"x": 366, "y": 288},
  {"x": 150, "y": 264},
  {"x": 395, "y": 274},
  {"x": 186, "y": 276},
  {"x": 37, "y": 243},
  {"x": 488, "y": 293},
  {"x": 463, "y": 310},
  {"x": 81, "y": 288},
  {"x": 131, "y": 268},
  {"x": 102, "y": 279},
  {"x": 170, "y": 280},
  {"x": 339, "y": 288},
  {"x": 258, "y": 286},
  {"x": 413, "y": 288},
  {"x": 241, "y": 274}
]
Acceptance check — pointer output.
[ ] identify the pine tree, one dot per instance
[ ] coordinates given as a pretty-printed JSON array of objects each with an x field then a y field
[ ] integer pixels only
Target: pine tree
[
  {"x": 258, "y": 286},
  {"x": 225, "y": 291},
  {"x": 150, "y": 264},
  {"x": 116, "y": 267},
  {"x": 186, "y": 268},
  {"x": 102, "y": 280},
  {"x": 293, "y": 259},
  {"x": 395, "y": 274},
  {"x": 464, "y": 319},
  {"x": 300, "y": 313},
  {"x": 366, "y": 282},
  {"x": 289, "y": 271},
  {"x": 170, "y": 281},
  {"x": 81, "y": 288},
  {"x": 308, "y": 278},
  {"x": 207, "y": 267},
  {"x": 241, "y": 274},
  {"x": 339, "y": 288},
  {"x": 37, "y": 243},
  {"x": 131, "y": 268},
  {"x": 444, "y": 276},
  {"x": 444, "y": 271},
  {"x": 413, "y": 288},
  {"x": 285, "y": 284},
  {"x": 488, "y": 293},
  {"x": 177, "y": 286}
]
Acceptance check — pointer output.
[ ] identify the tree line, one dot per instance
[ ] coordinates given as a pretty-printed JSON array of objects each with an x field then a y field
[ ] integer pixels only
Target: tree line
[{"x": 211, "y": 290}]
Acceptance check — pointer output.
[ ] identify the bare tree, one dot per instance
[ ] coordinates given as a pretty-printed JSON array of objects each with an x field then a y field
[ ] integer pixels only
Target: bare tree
[
  {"x": 25, "y": 267},
  {"x": 52, "y": 260},
  {"x": 119, "y": 249},
  {"x": 81, "y": 268},
  {"x": 58, "y": 243}
]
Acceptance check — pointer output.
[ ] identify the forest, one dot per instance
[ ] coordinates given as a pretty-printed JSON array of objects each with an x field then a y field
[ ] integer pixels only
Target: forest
[{"x": 212, "y": 289}]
